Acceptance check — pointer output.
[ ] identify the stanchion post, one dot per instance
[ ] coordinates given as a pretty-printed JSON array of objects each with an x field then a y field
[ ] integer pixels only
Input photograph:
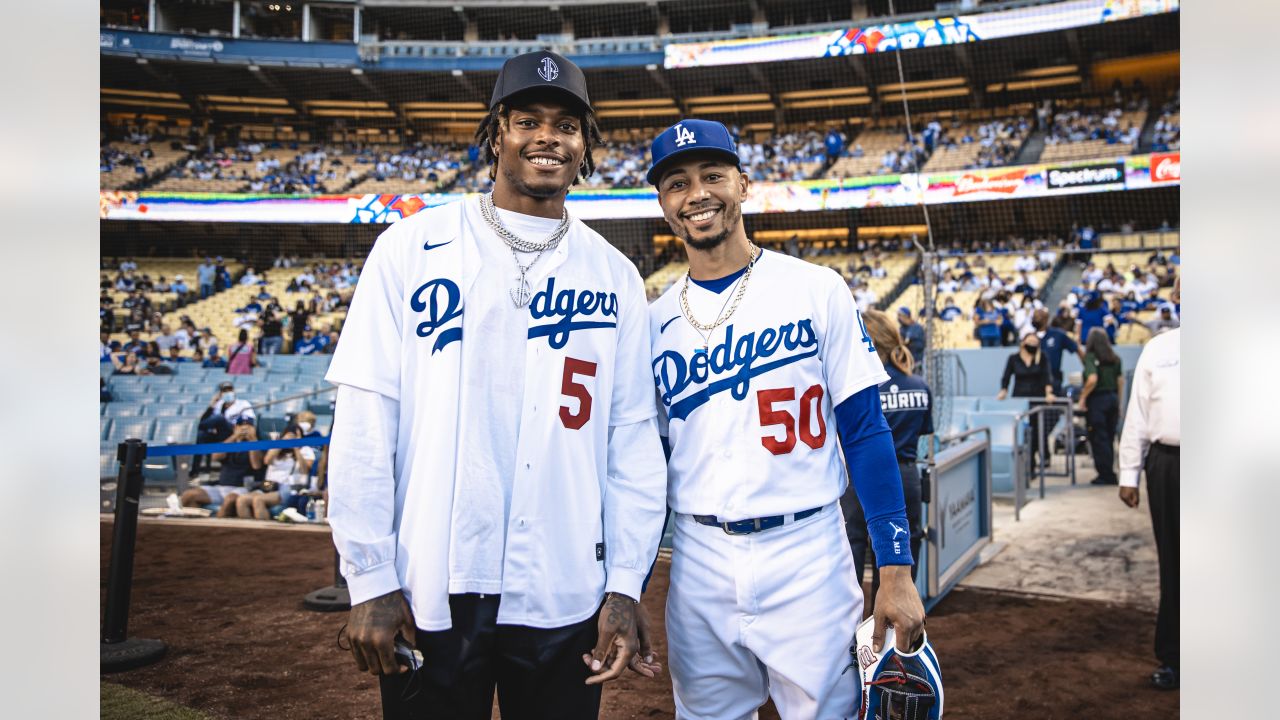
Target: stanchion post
[
  {"x": 334, "y": 597},
  {"x": 118, "y": 652}
]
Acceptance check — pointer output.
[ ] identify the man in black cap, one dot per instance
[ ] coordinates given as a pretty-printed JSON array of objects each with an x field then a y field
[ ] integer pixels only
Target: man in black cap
[{"x": 496, "y": 483}]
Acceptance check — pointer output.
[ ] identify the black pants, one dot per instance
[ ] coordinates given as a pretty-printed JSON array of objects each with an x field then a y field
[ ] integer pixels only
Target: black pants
[
  {"x": 1102, "y": 418},
  {"x": 212, "y": 429},
  {"x": 539, "y": 674},
  {"x": 1162, "y": 495},
  {"x": 855, "y": 526}
]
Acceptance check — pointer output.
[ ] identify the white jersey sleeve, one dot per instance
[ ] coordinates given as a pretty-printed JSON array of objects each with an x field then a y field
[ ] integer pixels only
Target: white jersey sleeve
[
  {"x": 849, "y": 359},
  {"x": 635, "y": 494},
  {"x": 368, "y": 354},
  {"x": 632, "y": 380}
]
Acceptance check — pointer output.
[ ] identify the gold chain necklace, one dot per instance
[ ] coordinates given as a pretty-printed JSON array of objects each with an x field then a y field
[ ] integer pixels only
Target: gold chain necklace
[{"x": 705, "y": 329}]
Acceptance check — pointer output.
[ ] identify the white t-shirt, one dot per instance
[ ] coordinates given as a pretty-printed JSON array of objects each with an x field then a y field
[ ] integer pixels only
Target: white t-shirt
[
  {"x": 751, "y": 422},
  {"x": 489, "y": 440},
  {"x": 283, "y": 469}
]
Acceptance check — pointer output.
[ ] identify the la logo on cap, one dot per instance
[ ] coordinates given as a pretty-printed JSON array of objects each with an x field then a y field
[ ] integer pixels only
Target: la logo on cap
[
  {"x": 549, "y": 70},
  {"x": 684, "y": 136}
]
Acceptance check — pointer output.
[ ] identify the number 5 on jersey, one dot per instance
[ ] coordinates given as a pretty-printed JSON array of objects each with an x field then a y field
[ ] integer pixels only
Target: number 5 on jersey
[
  {"x": 570, "y": 387},
  {"x": 810, "y": 404}
]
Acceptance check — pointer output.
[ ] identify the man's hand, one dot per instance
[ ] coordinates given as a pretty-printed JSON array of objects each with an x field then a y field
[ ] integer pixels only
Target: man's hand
[
  {"x": 1129, "y": 496},
  {"x": 644, "y": 662},
  {"x": 898, "y": 604},
  {"x": 1002, "y": 394},
  {"x": 617, "y": 639},
  {"x": 372, "y": 628}
]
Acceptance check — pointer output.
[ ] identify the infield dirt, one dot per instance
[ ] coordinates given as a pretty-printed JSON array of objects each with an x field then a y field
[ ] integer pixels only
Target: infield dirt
[{"x": 228, "y": 601}]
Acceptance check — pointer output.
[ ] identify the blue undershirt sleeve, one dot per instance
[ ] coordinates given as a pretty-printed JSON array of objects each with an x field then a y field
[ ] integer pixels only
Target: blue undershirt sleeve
[{"x": 873, "y": 470}]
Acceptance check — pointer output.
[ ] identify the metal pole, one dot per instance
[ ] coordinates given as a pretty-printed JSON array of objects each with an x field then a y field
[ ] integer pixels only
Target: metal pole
[
  {"x": 118, "y": 652},
  {"x": 1044, "y": 419}
]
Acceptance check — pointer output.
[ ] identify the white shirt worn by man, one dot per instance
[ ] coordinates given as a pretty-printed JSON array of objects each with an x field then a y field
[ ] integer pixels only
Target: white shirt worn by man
[
  {"x": 483, "y": 448},
  {"x": 1154, "y": 414}
]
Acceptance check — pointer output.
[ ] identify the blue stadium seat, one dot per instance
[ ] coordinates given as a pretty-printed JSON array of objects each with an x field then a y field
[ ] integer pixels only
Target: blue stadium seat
[
  {"x": 1007, "y": 405},
  {"x": 271, "y": 423},
  {"x": 159, "y": 471},
  {"x": 104, "y": 428},
  {"x": 123, "y": 428},
  {"x": 162, "y": 409},
  {"x": 181, "y": 429},
  {"x": 1007, "y": 435},
  {"x": 321, "y": 405},
  {"x": 129, "y": 393},
  {"x": 122, "y": 409},
  {"x": 965, "y": 404},
  {"x": 288, "y": 407},
  {"x": 107, "y": 465}
]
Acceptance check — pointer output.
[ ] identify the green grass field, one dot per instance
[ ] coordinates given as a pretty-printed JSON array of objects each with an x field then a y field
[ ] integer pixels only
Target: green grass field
[{"x": 121, "y": 703}]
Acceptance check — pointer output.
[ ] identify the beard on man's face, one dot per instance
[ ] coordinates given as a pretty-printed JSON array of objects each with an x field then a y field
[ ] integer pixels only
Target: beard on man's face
[{"x": 730, "y": 220}]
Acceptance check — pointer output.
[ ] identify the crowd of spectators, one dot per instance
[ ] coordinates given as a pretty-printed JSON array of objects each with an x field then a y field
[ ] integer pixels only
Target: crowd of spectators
[
  {"x": 1078, "y": 124},
  {"x": 1167, "y": 132},
  {"x": 272, "y": 167},
  {"x": 262, "y": 323},
  {"x": 1110, "y": 297}
]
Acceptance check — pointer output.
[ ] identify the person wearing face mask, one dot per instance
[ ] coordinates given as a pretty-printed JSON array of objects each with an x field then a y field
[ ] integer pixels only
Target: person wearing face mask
[
  {"x": 1029, "y": 370},
  {"x": 218, "y": 421},
  {"x": 286, "y": 474}
]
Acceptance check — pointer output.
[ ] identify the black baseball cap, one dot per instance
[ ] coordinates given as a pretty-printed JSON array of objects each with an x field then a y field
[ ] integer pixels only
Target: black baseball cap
[{"x": 542, "y": 69}]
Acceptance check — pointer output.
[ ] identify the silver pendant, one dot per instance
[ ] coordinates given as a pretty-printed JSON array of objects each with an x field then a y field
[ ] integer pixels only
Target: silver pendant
[{"x": 521, "y": 294}]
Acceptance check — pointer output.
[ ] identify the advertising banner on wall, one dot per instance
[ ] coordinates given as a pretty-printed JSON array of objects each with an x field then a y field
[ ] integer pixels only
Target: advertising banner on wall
[
  {"x": 975, "y": 185},
  {"x": 948, "y": 30}
]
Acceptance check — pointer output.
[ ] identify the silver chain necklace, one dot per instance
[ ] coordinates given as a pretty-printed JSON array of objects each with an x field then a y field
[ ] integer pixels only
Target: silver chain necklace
[
  {"x": 521, "y": 294},
  {"x": 706, "y": 329}
]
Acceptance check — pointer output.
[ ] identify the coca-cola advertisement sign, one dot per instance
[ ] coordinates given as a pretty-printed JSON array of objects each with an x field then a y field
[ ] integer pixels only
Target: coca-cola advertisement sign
[
  {"x": 1166, "y": 167},
  {"x": 1006, "y": 183}
]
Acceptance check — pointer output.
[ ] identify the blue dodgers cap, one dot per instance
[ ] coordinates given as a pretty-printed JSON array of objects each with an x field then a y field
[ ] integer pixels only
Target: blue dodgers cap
[
  {"x": 689, "y": 136},
  {"x": 904, "y": 310}
]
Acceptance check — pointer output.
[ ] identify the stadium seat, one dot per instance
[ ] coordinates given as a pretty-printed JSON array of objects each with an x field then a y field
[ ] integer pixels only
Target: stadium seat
[
  {"x": 1007, "y": 435},
  {"x": 181, "y": 429},
  {"x": 271, "y": 423},
  {"x": 107, "y": 465},
  {"x": 1007, "y": 405},
  {"x": 105, "y": 427},
  {"x": 162, "y": 409},
  {"x": 122, "y": 409},
  {"x": 123, "y": 428}
]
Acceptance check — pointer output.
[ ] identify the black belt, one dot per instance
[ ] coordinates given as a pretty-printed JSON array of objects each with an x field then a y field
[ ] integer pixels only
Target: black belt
[
  {"x": 746, "y": 527},
  {"x": 1173, "y": 449}
]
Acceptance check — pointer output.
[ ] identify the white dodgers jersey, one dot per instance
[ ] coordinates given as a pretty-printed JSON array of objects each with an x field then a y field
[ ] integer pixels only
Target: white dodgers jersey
[{"x": 750, "y": 419}]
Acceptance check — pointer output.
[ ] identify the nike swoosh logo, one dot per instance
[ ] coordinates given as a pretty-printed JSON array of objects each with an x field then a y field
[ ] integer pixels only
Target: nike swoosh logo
[
  {"x": 663, "y": 328},
  {"x": 428, "y": 246}
]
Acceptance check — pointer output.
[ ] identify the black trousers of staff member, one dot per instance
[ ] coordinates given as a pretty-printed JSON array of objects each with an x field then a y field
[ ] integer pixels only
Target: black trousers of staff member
[
  {"x": 856, "y": 527},
  {"x": 1162, "y": 495},
  {"x": 538, "y": 673},
  {"x": 1103, "y": 416}
]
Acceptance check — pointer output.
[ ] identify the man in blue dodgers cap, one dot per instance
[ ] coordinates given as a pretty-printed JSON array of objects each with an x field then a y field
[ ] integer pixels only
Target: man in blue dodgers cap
[
  {"x": 756, "y": 357},
  {"x": 496, "y": 483}
]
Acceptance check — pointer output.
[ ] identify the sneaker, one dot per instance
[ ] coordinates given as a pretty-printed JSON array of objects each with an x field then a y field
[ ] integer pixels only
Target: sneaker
[
  {"x": 291, "y": 515},
  {"x": 1104, "y": 481}
]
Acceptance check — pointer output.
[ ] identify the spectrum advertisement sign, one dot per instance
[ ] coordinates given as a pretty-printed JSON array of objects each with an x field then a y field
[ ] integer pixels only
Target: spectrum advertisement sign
[
  {"x": 947, "y": 30},
  {"x": 1006, "y": 183}
]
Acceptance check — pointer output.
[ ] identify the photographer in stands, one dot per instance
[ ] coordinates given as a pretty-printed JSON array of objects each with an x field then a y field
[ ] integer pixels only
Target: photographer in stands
[
  {"x": 286, "y": 469},
  {"x": 237, "y": 467},
  {"x": 219, "y": 419}
]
